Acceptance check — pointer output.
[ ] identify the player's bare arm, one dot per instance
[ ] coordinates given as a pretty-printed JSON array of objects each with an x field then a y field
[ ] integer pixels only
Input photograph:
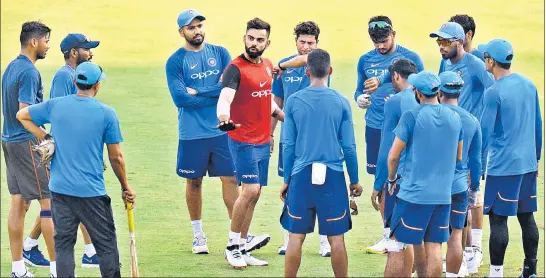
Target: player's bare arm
[
  {"x": 280, "y": 103},
  {"x": 276, "y": 112},
  {"x": 460, "y": 151},
  {"x": 296, "y": 62},
  {"x": 118, "y": 165},
  {"x": 24, "y": 117}
]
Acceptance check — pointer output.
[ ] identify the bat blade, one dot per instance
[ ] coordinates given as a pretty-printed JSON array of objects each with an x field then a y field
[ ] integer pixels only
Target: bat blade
[{"x": 132, "y": 241}]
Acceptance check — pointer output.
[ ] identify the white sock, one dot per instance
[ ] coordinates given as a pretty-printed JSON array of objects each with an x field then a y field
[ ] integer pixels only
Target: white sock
[
  {"x": 29, "y": 243},
  {"x": 477, "y": 238},
  {"x": 449, "y": 274},
  {"x": 53, "y": 268},
  {"x": 197, "y": 228},
  {"x": 18, "y": 267},
  {"x": 323, "y": 238},
  {"x": 387, "y": 232},
  {"x": 234, "y": 238},
  {"x": 495, "y": 271},
  {"x": 242, "y": 243},
  {"x": 90, "y": 250}
]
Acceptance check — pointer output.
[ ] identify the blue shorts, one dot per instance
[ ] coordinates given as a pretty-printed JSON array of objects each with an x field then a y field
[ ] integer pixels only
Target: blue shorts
[
  {"x": 373, "y": 139},
  {"x": 414, "y": 223},
  {"x": 251, "y": 162},
  {"x": 389, "y": 200},
  {"x": 199, "y": 156},
  {"x": 459, "y": 210},
  {"x": 328, "y": 202},
  {"x": 280, "y": 170},
  {"x": 510, "y": 195}
]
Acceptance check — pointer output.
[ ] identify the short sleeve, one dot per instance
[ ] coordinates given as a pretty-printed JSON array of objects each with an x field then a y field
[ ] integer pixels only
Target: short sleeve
[
  {"x": 404, "y": 128},
  {"x": 231, "y": 77},
  {"x": 112, "y": 132},
  {"x": 40, "y": 113}
]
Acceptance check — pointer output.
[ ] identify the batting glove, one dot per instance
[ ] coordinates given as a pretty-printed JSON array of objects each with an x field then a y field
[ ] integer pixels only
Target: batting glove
[
  {"x": 46, "y": 149},
  {"x": 363, "y": 101}
]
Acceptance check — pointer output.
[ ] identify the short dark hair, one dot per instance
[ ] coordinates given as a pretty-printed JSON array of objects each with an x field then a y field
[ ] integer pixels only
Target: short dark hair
[
  {"x": 451, "y": 96},
  {"x": 403, "y": 67},
  {"x": 84, "y": 87},
  {"x": 503, "y": 65},
  {"x": 379, "y": 34},
  {"x": 466, "y": 21},
  {"x": 307, "y": 28},
  {"x": 33, "y": 30},
  {"x": 318, "y": 63},
  {"x": 431, "y": 96},
  {"x": 259, "y": 24}
]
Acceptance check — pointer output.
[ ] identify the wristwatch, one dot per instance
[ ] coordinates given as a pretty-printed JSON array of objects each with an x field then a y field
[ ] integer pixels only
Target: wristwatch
[{"x": 395, "y": 179}]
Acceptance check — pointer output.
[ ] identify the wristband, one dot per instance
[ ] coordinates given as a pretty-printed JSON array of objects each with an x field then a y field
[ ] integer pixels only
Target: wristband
[{"x": 279, "y": 65}]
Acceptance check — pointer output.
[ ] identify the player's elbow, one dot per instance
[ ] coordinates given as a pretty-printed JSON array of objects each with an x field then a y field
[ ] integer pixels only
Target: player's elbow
[{"x": 116, "y": 158}]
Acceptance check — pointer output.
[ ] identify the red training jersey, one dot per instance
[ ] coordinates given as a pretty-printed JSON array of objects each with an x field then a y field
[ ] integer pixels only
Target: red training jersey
[{"x": 251, "y": 106}]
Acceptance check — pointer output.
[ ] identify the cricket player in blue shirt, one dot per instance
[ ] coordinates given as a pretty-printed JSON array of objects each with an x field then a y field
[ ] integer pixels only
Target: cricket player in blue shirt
[
  {"x": 77, "y": 181},
  {"x": 291, "y": 81},
  {"x": 402, "y": 101},
  {"x": 193, "y": 77},
  {"x": 512, "y": 138},
  {"x": 462, "y": 195},
  {"x": 314, "y": 182},
  {"x": 450, "y": 39},
  {"x": 433, "y": 135}
]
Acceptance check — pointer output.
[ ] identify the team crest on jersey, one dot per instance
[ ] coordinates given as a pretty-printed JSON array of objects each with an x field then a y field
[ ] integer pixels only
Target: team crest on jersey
[
  {"x": 268, "y": 71},
  {"x": 212, "y": 62},
  {"x": 460, "y": 73}
]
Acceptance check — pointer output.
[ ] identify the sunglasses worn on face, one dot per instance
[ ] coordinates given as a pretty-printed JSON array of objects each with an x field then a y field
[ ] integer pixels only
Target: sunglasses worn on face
[
  {"x": 444, "y": 42},
  {"x": 379, "y": 24}
]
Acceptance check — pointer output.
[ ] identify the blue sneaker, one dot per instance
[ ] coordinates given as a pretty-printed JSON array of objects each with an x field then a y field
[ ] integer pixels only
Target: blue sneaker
[
  {"x": 35, "y": 258},
  {"x": 90, "y": 262}
]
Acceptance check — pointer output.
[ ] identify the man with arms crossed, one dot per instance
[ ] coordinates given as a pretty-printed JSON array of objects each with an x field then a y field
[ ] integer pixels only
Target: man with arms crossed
[
  {"x": 21, "y": 87},
  {"x": 244, "y": 109},
  {"x": 512, "y": 134},
  {"x": 314, "y": 182},
  {"x": 289, "y": 82},
  {"x": 462, "y": 195},
  {"x": 402, "y": 101},
  {"x": 433, "y": 135},
  {"x": 193, "y": 77}
]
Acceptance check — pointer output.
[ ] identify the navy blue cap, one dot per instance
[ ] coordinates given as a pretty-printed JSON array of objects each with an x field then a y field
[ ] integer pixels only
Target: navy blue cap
[
  {"x": 450, "y": 30},
  {"x": 77, "y": 41},
  {"x": 451, "y": 82},
  {"x": 89, "y": 73},
  {"x": 426, "y": 82},
  {"x": 187, "y": 16},
  {"x": 500, "y": 50}
]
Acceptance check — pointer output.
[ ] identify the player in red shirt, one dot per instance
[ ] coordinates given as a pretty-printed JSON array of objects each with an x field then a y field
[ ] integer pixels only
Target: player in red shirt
[{"x": 244, "y": 110}]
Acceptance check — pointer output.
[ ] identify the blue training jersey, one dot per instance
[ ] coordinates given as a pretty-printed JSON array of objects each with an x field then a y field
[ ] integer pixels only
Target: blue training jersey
[
  {"x": 199, "y": 70},
  {"x": 21, "y": 83},
  {"x": 63, "y": 82},
  {"x": 472, "y": 148},
  {"x": 394, "y": 108},
  {"x": 318, "y": 113},
  {"x": 432, "y": 133},
  {"x": 375, "y": 64},
  {"x": 81, "y": 126},
  {"x": 511, "y": 126},
  {"x": 476, "y": 81}
]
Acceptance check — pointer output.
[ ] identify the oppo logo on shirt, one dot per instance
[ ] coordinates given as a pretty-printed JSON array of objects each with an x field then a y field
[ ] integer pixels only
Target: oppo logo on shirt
[
  {"x": 262, "y": 93},
  {"x": 205, "y": 74},
  {"x": 376, "y": 72},
  {"x": 292, "y": 79}
]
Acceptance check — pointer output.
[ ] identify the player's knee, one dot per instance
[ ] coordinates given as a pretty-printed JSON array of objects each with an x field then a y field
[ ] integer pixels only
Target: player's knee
[
  {"x": 45, "y": 213},
  {"x": 195, "y": 183},
  {"x": 252, "y": 192}
]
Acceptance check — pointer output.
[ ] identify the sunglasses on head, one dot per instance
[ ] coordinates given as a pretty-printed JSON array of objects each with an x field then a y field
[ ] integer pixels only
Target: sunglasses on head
[
  {"x": 444, "y": 42},
  {"x": 379, "y": 24},
  {"x": 452, "y": 86}
]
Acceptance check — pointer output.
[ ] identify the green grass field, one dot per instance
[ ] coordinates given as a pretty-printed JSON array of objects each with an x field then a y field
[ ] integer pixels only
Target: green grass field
[{"x": 136, "y": 39}]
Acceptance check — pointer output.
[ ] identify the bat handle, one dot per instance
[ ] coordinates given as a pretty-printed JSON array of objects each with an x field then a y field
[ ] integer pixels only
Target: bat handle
[{"x": 130, "y": 217}]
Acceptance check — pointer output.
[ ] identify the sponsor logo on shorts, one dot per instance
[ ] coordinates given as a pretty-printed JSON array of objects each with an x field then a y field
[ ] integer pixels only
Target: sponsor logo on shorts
[
  {"x": 182, "y": 171},
  {"x": 205, "y": 74},
  {"x": 249, "y": 176},
  {"x": 371, "y": 165}
]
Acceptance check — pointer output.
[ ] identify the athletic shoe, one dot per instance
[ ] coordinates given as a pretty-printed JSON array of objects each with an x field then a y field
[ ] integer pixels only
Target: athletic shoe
[
  {"x": 463, "y": 271},
  {"x": 474, "y": 260},
  {"x": 234, "y": 257},
  {"x": 530, "y": 276},
  {"x": 325, "y": 250},
  {"x": 253, "y": 261},
  {"x": 282, "y": 249},
  {"x": 90, "y": 262},
  {"x": 27, "y": 274},
  {"x": 380, "y": 247},
  {"x": 35, "y": 258},
  {"x": 256, "y": 242},
  {"x": 200, "y": 245}
]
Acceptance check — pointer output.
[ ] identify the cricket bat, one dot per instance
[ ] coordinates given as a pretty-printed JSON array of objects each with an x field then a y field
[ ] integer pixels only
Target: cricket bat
[{"x": 132, "y": 240}]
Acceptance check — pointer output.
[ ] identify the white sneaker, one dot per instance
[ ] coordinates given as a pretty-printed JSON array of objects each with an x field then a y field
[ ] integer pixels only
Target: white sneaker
[
  {"x": 325, "y": 250},
  {"x": 200, "y": 245},
  {"x": 235, "y": 258},
  {"x": 475, "y": 260},
  {"x": 444, "y": 266},
  {"x": 253, "y": 261},
  {"x": 26, "y": 274},
  {"x": 463, "y": 271},
  {"x": 282, "y": 249},
  {"x": 256, "y": 242},
  {"x": 380, "y": 247}
]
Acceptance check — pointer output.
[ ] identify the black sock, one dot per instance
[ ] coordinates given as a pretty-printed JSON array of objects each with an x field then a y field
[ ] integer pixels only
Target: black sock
[
  {"x": 530, "y": 236},
  {"x": 498, "y": 240},
  {"x": 529, "y": 268}
]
